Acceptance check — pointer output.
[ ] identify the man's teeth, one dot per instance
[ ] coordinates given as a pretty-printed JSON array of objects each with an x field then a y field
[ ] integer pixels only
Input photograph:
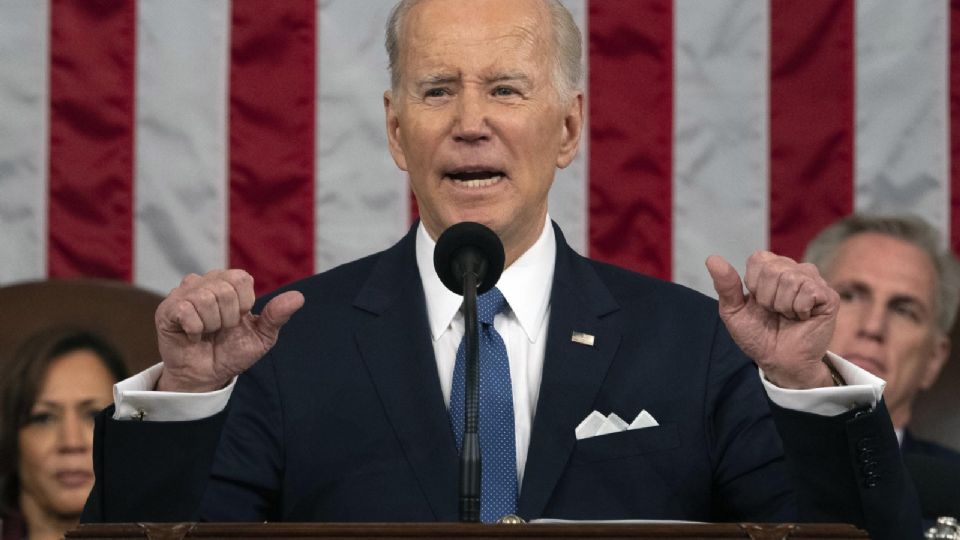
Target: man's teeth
[{"x": 480, "y": 182}]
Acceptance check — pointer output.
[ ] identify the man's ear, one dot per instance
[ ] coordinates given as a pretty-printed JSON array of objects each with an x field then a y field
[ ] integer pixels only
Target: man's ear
[
  {"x": 938, "y": 358},
  {"x": 572, "y": 125},
  {"x": 394, "y": 140}
]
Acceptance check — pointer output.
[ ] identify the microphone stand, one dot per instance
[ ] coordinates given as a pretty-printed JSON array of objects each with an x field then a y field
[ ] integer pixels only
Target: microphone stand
[
  {"x": 469, "y": 259},
  {"x": 470, "y": 463}
]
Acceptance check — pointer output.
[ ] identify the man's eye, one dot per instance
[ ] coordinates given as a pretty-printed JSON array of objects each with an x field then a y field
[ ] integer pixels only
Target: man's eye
[
  {"x": 436, "y": 92},
  {"x": 907, "y": 312},
  {"x": 845, "y": 294},
  {"x": 504, "y": 91}
]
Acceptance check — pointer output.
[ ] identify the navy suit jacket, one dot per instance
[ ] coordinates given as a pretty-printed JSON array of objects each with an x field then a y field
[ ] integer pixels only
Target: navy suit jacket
[
  {"x": 935, "y": 471},
  {"x": 344, "y": 420}
]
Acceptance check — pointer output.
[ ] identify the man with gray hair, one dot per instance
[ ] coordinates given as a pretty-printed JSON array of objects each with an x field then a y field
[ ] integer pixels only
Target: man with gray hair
[
  {"x": 611, "y": 395},
  {"x": 899, "y": 291}
]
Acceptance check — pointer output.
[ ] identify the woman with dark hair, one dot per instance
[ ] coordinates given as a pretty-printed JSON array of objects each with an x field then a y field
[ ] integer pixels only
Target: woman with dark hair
[{"x": 58, "y": 381}]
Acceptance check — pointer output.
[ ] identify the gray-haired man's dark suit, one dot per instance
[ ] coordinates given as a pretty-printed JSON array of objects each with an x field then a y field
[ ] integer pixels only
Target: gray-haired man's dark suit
[{"x": 344, "y": 420}]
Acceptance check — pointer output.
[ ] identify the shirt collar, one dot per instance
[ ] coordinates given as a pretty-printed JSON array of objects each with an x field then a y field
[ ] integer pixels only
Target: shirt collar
[{"x": 525, "y": 284}]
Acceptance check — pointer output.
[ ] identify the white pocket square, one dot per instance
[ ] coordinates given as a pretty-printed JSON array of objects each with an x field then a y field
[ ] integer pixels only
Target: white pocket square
[{"x": 596, "y": 424}]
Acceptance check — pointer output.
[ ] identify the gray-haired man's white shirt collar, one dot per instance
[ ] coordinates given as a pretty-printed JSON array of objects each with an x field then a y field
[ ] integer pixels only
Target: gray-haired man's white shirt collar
[{"x": 526, "y": 284}]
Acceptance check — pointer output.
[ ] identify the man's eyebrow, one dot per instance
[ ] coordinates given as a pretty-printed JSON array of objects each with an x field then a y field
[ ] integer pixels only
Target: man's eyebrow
[
  {"x": 437, "y": 78},
  {"x": 509, "y": 76},
  {"x": 896, "y": 299},
  {"x": 450, "y": 78}
]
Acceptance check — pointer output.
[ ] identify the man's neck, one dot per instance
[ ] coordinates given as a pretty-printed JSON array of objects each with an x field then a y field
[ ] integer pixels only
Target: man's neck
[
  {"x": 513, "y": 249},
  {"x": 900, "y": 417},
  {"x": 514, "y": 245}
]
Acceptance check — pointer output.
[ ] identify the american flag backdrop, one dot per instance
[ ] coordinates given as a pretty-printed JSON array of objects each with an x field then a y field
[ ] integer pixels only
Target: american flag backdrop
[{"x": 144, "y": 139}]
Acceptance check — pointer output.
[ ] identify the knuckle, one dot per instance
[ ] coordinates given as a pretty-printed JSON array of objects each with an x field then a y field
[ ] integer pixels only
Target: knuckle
[
  {"x": 223, "y": 290},
  {"x": 238, "y": 279},
  {"x": 239, "y": 275},
  {"x": 793, "y": 280},
  {"x": 169, "y": 309},
  {"x": 770, "y": 272},
  {"x": 833, "y": 297},
  {"x": 184, "y": 309},
  {"x": 205, "y": 296}
]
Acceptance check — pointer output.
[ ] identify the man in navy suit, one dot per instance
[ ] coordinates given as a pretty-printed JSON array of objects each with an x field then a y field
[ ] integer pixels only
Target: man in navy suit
[
  {"x": 899, "y": 291},
  {"x": 342, "y": 414}
]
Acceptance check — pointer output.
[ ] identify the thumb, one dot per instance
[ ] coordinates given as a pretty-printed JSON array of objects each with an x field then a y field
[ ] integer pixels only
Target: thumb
[
  {"x": 726, "y": 281},
  {"x": 278, "y": 311}
]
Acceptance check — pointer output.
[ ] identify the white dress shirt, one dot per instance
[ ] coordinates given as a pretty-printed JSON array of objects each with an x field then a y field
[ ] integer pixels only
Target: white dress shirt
[{"x": 526, "y": 285}]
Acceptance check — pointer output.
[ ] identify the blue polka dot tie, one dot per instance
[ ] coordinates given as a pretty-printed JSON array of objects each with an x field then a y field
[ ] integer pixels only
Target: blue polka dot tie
[{"x": 498, "y": 480}]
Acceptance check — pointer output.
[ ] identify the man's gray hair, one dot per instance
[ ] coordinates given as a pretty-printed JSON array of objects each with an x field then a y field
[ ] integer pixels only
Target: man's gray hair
[
  {"x": 822, "y": 251},
  {"x": 568, "y": 44}
]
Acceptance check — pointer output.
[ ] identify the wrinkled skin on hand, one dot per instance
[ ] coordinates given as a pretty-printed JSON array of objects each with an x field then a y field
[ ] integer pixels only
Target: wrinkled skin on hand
[
  {"x": 784, "y": 321},
  {"x": 207, "y": 334}
]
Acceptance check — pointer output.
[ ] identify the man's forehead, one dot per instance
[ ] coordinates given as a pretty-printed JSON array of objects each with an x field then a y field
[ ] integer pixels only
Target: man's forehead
[
  {"x": 880, "y": 259},
  {"x": 440, "y": 47}
]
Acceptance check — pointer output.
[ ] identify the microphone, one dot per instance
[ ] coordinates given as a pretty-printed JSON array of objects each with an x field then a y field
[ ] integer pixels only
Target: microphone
[
  {"x": 468, "y": 246},
  {"x": 469, "y": 260}
]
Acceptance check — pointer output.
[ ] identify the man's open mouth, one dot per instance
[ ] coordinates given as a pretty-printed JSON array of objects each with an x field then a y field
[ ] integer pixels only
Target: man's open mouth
[{"x": 475, "y": 178}]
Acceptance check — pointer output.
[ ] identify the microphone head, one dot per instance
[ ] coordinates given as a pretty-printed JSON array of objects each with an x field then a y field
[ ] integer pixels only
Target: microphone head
[{"x": 464, "y": 245}]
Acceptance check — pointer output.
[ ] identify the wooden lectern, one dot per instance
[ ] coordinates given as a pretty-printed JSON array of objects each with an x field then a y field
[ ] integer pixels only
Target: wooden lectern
[{"x": 176, "y": 531}]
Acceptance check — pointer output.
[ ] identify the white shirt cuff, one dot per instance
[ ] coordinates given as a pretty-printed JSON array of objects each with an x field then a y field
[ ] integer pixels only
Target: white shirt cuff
[
  {"x": 136, "y": 399},
  {"x": 862, "y": 389}
]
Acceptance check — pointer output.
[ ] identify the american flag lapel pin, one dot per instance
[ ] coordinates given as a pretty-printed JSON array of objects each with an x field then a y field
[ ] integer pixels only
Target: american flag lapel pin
[{"x": 582, "y": 338}]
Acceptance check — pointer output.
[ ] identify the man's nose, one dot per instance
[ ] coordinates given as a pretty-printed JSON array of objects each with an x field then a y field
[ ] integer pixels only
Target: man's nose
[
  {"x": 873, "y": 322},
  {"x": 74, "y": 433},
  {"x": 471, "y": 124}
]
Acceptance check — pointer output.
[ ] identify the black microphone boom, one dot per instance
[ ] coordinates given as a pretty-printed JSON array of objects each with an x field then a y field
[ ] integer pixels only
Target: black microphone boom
[{"x": 469, "y": 260}]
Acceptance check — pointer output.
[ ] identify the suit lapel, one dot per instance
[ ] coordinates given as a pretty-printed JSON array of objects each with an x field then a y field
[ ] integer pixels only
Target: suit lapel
[
  {"x": 396, "y": 349},
  {"x": 572, "y": 372}
]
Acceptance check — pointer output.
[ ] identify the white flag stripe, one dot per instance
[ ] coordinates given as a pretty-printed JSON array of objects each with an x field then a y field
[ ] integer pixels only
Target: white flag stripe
[
  {"x": 181, "y": 152},
  {"x": 361, "y": 196},
  {"x": 902, "y": 143},
  {"x": 720, "y": 186},
  {"x": 569, "y": 195},
  {"x": 24, "y": 30}
]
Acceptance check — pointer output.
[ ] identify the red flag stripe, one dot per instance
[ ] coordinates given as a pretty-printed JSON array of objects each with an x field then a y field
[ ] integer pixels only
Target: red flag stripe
[
  {"x": 811, "y": 119},
  {"x": 90, "y": 212},
  {"x": 271, "y": 163},
  {"x": 631, "y": 133}
]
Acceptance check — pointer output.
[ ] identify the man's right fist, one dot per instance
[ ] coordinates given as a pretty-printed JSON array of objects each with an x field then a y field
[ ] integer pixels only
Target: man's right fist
[{"x": 207, "y": 334}]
